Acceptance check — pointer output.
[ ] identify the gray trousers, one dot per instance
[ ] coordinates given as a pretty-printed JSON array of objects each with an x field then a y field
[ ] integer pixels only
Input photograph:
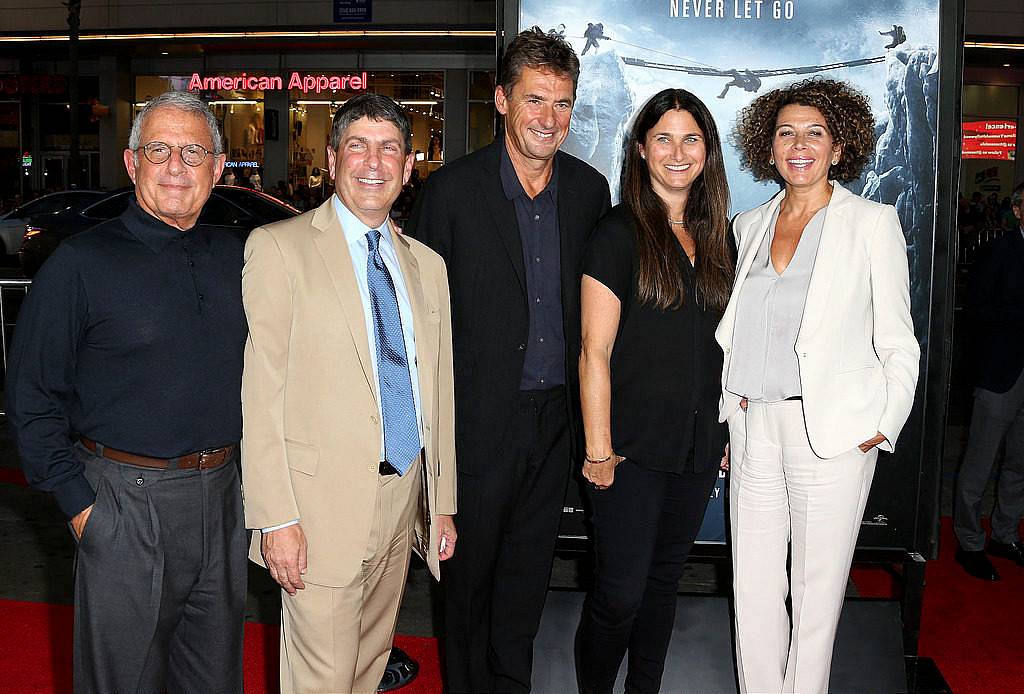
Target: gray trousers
[
  {"x": 997, "y": 416},
  {"x": 160, "y": 581}
]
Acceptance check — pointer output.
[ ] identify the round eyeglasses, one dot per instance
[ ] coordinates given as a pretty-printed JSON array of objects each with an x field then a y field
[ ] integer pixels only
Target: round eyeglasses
[{"x": 159, "y": 152}]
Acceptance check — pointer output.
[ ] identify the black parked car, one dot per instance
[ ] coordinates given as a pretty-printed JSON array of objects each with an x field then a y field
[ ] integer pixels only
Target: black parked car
[
  {"x": 239, "y": 209},
  {"x": 12, "y": 224}
]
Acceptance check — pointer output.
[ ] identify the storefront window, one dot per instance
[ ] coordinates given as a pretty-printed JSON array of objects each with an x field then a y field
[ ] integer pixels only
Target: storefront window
[
  {"x": 54, "y": 132},
  {"x": 239, "y": 112},
  {"x": 311, "y": 110}
]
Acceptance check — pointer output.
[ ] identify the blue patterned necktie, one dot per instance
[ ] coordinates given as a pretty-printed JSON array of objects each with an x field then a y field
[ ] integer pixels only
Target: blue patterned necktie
[{"x": 401, "y": 432}]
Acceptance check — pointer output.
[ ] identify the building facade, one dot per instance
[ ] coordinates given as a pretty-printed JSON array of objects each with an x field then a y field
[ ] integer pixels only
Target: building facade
[{"x": 273, "y": 71}]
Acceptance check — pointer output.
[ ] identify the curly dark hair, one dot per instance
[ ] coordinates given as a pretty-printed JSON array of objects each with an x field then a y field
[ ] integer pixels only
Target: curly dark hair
[{"x": 847, "y": 116}]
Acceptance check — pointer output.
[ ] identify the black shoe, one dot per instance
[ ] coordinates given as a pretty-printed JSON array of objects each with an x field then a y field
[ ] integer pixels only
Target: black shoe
[
  {"x": 977, "y": 564},
  {"x": 400, "y": 671},
  {"x": 1014, "y": 551}
]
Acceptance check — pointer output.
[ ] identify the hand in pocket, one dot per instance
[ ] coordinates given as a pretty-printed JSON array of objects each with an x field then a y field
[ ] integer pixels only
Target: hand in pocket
[{"x": 80, "y": 520}]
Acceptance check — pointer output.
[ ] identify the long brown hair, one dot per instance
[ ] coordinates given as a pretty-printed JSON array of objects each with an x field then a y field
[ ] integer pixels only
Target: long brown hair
[{"x": 660, "y": 280}]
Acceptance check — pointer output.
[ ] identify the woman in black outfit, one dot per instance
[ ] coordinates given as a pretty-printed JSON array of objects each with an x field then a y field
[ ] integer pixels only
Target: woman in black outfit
[{"x": 657, "y": 275}]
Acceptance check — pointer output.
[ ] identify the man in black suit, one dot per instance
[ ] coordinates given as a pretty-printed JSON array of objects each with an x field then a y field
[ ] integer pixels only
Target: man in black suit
[
  {"x": 997, "y": 306},
  {"x": 511, "y": 221}
]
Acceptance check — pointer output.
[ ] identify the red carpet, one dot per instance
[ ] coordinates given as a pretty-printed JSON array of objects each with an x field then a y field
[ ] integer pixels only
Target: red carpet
[{"x": 972, "y": 629}]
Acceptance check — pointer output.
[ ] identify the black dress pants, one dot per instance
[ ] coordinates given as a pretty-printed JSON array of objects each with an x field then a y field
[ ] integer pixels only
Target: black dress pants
[
  {"x": 644, "y": 526},
  {"x": 508, "y": 518},
  {"x": 160, "y": 581}
]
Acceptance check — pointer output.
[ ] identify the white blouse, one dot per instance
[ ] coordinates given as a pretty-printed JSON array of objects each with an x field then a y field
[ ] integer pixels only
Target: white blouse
[{"x": 769, "y": 310}]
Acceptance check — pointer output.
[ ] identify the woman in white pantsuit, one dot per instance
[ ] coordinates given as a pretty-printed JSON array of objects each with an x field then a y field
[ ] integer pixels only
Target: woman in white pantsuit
[{"x": 820, "y": 369}]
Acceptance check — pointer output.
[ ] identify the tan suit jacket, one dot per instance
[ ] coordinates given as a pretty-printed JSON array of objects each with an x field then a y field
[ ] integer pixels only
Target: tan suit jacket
[{"x": 311, "y": 429}]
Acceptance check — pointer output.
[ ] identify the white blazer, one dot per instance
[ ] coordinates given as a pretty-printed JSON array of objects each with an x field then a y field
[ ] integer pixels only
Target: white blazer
[{"x": 856, "y": 349}]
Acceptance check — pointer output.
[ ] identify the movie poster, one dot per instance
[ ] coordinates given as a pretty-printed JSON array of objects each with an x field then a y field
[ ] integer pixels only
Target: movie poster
[{"x": 729, "y": 51}]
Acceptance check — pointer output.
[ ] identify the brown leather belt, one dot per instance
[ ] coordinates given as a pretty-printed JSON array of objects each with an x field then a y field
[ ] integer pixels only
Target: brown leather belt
[{"x": 200, "y": 460}]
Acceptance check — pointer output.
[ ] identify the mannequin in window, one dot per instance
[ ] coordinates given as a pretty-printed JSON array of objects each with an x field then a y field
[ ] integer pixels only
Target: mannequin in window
[
  {"x": 316, "y": 184},
  {"x": 434, "y": 147},
  {"x": 249, "y": 134}
]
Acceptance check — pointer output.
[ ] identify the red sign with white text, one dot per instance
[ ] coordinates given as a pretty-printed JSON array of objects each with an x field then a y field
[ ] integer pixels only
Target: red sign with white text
[{"x": 989, "y": 139}]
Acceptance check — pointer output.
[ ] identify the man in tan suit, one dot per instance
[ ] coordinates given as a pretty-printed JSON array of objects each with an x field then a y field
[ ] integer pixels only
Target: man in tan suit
[{"x": 348, "y": 440}]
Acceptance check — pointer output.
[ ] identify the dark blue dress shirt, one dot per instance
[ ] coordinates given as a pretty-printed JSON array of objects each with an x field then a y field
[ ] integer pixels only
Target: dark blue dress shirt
[
  {"x": 131, "y": 335},
  {"x": 537, "y": 218}
]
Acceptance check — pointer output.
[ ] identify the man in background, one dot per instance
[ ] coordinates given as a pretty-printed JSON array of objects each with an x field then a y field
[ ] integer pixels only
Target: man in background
[{"x": 996, "y": 304}]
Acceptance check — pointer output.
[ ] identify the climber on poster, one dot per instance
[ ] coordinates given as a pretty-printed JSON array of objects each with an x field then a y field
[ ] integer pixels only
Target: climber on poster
[
  {"x": 593, "y": 34},
  {"x": 897, "y": 35},
  {"x": 746, "y": 80}
]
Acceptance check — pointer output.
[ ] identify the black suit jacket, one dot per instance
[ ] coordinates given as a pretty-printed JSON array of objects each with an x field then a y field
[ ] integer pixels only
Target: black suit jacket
[
  {"x": 996, "y": 309},
  {"x": 462, "y": 213}
]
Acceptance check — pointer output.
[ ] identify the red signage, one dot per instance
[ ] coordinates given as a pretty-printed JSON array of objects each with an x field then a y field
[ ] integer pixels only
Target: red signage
[
  {"x": 33, "y": 84},
  {"x": 989, "y": 139},
  {"x": 296, "y": 80}
]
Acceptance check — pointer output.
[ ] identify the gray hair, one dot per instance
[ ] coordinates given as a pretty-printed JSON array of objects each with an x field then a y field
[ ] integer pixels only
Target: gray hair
[
  {"x": 183, "y": 101},
  {"x": 375, "y": 107},
  {"x": 1017, "y": 197}
]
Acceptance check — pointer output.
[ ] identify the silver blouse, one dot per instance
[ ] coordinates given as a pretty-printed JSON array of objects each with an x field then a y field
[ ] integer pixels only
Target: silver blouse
[{"x": 770, "y": 307}]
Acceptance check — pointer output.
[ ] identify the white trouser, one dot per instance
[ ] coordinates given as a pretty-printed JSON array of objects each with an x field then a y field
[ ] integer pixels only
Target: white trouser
[{"x": 782, "y": 494}]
